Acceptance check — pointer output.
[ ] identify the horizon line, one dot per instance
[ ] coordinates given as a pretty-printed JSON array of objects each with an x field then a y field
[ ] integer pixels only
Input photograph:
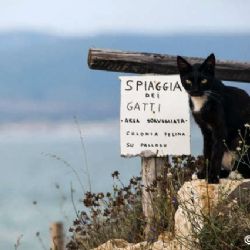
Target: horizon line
[{"x": 125, "y": 33}]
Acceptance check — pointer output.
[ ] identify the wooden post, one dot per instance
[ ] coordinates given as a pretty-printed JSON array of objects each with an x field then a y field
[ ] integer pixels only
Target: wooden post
[
  {"x": 152, "y": 167},
  {"x": 57, "y": 236},
  {"x": 151, "y": 63}
]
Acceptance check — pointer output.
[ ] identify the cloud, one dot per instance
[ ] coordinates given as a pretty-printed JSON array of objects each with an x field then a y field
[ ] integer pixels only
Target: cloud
[{"x": 87, "y": 17}]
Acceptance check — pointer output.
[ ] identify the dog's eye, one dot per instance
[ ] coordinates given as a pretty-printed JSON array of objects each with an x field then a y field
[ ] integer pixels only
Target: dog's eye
[
  {"x": 204, "y": 81},
  {"x": 188, "y": 81}
]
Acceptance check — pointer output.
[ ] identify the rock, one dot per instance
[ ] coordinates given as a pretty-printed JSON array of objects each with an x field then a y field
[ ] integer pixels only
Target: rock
[
  {"x": 119, "y": 244},
  {"x": 162, "y": 244},
  {"x": 115, "y": 244},
  {"x": 196, "y": 199}
]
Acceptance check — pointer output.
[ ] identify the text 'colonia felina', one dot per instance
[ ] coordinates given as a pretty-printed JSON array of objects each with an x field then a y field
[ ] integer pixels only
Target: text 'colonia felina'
[{"x": 167, "y": 134}]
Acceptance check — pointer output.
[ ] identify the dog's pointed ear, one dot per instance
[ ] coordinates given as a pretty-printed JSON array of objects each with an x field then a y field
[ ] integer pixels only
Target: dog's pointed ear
[
  {"x": 209, "y": 64},
  {"x": 183, "y": 65}
]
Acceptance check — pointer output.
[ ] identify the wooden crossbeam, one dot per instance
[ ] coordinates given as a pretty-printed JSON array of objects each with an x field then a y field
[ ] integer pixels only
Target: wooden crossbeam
[{"x": 151, "y": 63}]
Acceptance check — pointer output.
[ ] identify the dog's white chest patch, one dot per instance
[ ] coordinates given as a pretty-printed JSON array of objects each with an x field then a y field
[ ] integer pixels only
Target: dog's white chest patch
[{"x": 198, "y": 102}]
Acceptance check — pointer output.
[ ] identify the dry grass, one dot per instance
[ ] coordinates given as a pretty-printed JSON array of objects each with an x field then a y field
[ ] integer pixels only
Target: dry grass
[{"x": 119, "y": 215}]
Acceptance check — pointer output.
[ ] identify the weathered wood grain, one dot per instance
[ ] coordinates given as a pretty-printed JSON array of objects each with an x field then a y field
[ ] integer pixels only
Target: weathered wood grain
[
  {"x": 151, "y": 169},
  {"x": 151, "y": 63},
  {"x": 57, "y": 236}
]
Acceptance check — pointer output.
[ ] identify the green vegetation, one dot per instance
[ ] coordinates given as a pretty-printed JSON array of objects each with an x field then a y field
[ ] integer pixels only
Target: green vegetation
[
  {"x": 119, "y": 215},
  {"x": 227, "y": 225}
]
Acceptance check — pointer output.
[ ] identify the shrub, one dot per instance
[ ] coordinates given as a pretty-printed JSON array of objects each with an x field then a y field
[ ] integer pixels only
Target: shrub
[
  {"x": 226, "y": 226},
  {"x": 119, "y": 214},
  {"x": 110, "y": 215}
]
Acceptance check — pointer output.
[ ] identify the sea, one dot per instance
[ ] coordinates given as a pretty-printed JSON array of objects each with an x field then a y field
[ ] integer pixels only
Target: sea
[{"x": 44, "y": 164}]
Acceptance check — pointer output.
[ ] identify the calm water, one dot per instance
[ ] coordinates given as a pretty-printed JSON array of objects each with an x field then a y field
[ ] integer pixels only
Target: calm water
[{"x": 30, "y": 173}]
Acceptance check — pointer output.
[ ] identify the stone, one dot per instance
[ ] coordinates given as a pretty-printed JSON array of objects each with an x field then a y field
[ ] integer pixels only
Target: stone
[
  {"x": 114, "y": 244},
  {"x": 197, "y": 199},
  {"x": 161, "y": 244}
]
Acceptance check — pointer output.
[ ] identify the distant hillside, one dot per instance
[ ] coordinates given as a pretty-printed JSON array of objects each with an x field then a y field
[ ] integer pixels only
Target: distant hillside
[{"x": 44, "y": 77}]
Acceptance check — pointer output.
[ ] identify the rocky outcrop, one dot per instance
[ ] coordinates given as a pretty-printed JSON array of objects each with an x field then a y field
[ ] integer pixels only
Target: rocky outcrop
[
  {"x": 165, "y": 241},
  {"x": 196, "y": 200}
]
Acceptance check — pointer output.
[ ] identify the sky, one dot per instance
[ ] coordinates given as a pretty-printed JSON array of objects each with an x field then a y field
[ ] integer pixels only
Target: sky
[{"x": 91, "y": 17}]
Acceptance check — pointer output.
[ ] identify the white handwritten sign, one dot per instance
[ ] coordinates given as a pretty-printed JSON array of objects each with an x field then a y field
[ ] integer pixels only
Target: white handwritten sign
[{"x": 154, "y": 116}]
